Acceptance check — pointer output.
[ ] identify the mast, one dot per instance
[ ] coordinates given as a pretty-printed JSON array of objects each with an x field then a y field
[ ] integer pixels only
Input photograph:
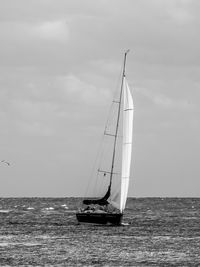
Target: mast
[{"x": 117, "y": 125}]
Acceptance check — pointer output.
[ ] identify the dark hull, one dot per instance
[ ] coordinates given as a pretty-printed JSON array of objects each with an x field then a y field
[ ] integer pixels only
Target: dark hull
[{"x": 99, "y": 218}]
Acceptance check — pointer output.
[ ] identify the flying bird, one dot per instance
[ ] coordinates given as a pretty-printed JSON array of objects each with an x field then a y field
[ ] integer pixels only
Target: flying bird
[{"x": 6, "y": 162}]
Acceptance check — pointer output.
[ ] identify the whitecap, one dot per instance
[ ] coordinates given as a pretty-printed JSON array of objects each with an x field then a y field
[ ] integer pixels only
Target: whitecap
[
  {"x": 4, "y": 211},
  {"x": 30, "y": 208},
  {"x": 64, "y": 206},
  {"x": 50, "y": 208},
  {"x": 30, "y": 244}
]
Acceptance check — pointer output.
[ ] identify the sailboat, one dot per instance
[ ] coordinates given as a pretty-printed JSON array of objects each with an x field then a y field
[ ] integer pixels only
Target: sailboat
[{"x": 109, "y": 208}]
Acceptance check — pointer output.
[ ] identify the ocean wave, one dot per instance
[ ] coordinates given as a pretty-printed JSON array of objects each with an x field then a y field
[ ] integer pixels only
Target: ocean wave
[
  {"x": 48, "y": 209},
  {"x": 5, "y": 211},
  {"x": 64, "y": 206},
  {"x": 27, "y": 244}
]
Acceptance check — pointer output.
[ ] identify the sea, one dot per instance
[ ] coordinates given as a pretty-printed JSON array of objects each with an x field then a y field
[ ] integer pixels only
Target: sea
[{"x": 44, "y": 232}]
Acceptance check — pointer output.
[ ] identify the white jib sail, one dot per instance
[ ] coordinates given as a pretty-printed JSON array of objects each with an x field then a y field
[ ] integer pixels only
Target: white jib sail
[{"x": 127, "y": 143}]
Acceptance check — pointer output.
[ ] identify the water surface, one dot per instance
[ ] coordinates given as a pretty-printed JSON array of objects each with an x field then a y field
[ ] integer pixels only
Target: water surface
[{"x": 44, "y": 232}]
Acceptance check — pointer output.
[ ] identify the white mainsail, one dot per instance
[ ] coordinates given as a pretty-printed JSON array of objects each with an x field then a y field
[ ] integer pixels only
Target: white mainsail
[
  {"x": 127, "y": 143},
  {"x": 118, "y": 197}
]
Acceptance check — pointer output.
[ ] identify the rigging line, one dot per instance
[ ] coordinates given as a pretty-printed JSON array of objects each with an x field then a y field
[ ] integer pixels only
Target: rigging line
[
  {"x": 110, "y": 117},
  {"x": 113, "y": 135},
  {"x": 101, "y": 162},
  {"x": 93, "y": 166},
  {"x": 107, "y": 172},
  {"x": 116, "y": 93},
  {"x": 101, "y": 153},
  {"x": 118, "y": 116},
  {"x": 102, "y": 181},
  {"x": 108, "y": 122}
]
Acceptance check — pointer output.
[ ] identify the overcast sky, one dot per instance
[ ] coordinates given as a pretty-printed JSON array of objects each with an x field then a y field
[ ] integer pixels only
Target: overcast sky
[{"x": 60, "y": 63}]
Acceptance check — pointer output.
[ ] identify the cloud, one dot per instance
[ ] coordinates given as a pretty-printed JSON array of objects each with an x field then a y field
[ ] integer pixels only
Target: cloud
[
  {"x": 180, "y": 11},
  {"x": 42, "y": 105},
  {"x": 82, "y": 91},
  {"x": 25, "y": 31},
  {"x": 52, "y": 30},
  {"x": 28, "y": 109},
  {"x": 106, "y": 66},
  {"x": 166, "y": 102},
  {"x": 33, "y": 118},
  {"x": 34, "y": 128}
]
